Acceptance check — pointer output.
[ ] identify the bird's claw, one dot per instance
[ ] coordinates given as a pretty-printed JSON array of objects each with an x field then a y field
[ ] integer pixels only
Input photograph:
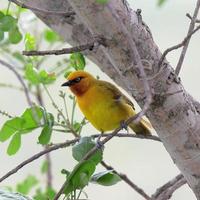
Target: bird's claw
[{"x": 123, "y": 125}]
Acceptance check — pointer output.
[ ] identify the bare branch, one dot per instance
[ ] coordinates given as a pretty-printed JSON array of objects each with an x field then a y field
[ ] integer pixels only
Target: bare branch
[
  {"x": 12, "y": 68},
  {"x": 183, "y": 43},
  {"x": 165, "y": 192},
  {"x": 190, "y": 17},
  {"x": 22, "y": 5},
  {"x": 66, "y": 144},
  {"x": 191, "y": 28},
  {"x": 38, "y": 155},
  {"x": 4, "y": 113},
  {"x": 88, "y": 46},
  {"x": 128, "y": 181}
]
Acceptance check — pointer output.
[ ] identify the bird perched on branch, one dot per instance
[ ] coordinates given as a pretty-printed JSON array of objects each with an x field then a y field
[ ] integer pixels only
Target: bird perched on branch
[{"x": 103, "y": 104}]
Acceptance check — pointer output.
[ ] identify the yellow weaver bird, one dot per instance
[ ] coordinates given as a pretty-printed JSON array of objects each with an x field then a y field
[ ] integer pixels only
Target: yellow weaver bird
[{"x": 103, "y": 104}]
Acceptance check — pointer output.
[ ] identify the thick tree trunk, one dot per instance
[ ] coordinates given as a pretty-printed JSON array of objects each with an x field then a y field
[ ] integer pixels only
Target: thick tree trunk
[{"x": 175, "y": 117}]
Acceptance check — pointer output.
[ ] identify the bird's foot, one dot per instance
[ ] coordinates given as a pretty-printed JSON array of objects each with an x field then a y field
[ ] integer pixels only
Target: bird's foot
[
  {"x": 123, "y": 125},
  {"x": 99, "y": 144}
]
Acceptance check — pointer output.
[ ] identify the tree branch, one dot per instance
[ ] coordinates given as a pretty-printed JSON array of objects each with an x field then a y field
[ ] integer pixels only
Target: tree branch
[
  {"x": 165, "y": 192},
  {"x": 88, "y": 46},
  {"x": 12, "y": 68},
  {"x": 175, "y": 47},
  {"x": 66, "y": 144},
  {"x": 48, "y": 12},
  {"x": 191, "y": 28},
  {"x": 128, "y": 181}
]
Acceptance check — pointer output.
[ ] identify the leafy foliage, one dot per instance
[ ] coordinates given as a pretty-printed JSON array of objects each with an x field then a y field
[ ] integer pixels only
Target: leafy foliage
[
  {"x": 9, "y": 24},
  {"x": 77, "y": 61},
  {"x": 26, "y": 186},
  {"x": 36, "y": 77},
  {"x": 31, "y": 119},
  {"x": 106, "y": 178},
  {"x": 83, "y": 147}
]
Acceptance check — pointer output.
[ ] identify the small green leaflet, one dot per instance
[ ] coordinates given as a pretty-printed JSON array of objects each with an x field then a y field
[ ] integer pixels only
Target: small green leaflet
[
  {"x": 106, "y": 178},
  {"x": 77, "y": 61},
  {"x": 25, "y": 186},
  {"x": 45, "y": 135},
  {"x": 51, "y": 36},
  {"x": 80, "y": 176},
  {"x": 36, "y": 77},
  {"x": 83, "y": 147},
  {"x": 30, "y": 43},
  {"x": 9, "y": 24},
  {"x": 15, "y": 36},
  {"x": 28, "y": 121},
  {"x": 14, "y": 145}
]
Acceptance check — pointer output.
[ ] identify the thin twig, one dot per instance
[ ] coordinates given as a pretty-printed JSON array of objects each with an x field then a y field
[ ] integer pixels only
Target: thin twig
[
  {"x": 191, "y": 28},
  {"x": 22, "y": 5},
  {"x": 12, "y": 68},
  {"x": 95, "y": 148},
  {"x": 60, "y": 112},
  {"x": 4, "y": 113},
  {"x": 48, "y": 158},
  {"x": 127, "y": 180},
  {"x": 165, "y": 192},
  {"x": 88, "y": 46},
  {"x": 36, "y": 156},
  {"x": 190, "y": 17},
  {"x": 66, "y": 144},
  {"x": 177, "y": 46}
]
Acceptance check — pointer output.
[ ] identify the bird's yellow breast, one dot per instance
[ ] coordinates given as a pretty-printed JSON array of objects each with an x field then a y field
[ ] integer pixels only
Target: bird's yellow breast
[{"x": 102, "y": 110}]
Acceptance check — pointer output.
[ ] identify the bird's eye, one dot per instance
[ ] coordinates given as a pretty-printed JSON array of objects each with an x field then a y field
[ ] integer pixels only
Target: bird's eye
[{"x": 77, "y": 80}]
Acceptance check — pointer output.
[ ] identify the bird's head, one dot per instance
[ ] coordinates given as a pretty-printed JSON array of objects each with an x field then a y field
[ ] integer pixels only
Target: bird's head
[{"x": 79, "y": 82}]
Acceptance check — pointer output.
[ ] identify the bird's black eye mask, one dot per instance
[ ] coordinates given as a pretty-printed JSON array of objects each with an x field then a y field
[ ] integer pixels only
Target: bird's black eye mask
[{"x": 73, "y": 81}]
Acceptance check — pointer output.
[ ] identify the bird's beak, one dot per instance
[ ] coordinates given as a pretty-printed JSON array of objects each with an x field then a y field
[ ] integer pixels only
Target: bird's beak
[{"x": 68, "y": 83}]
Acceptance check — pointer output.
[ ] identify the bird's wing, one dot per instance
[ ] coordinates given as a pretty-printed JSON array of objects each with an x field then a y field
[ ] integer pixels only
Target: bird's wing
[{"x": 118, "y": 96}]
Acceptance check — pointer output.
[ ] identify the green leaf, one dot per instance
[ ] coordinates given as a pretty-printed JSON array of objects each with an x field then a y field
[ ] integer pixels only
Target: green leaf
[
  {"x": 80, "y": 176},
  {"x": 83, "y": 147},
  {"x": 44, "y": 167},
  {"x": 36, "y": 77},
  {"x": 17, "y": 55},
  {"x": 26, "y": 186},
  {"x": 15, "y": 36},
  {"x": 48, "y": 194},
  {"x": 77, "y": 61},
  {"x": 102, "y": 1},
  {"x": 106, "y": 178},
  {"x": 46, "y": 78},
  {"x": 50, "y": 36},
  {"x": 45, "y": 135},
  {"x": 32, "y": 117},
  {"x": 14, "y": 145},
  {"x": 1, "y": 35},
  {"x": 30, "y": 43},
  {"x": 1, "y": 15},
  {"x": 7, "y": 22},
  {"x": 31, "y": 74},
  {"x": 161, "y": 2},
  {"x": 10, "y": 127}
]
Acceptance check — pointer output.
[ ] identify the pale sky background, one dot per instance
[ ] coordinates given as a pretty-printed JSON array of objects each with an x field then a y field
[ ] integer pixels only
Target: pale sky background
[{"x": 145, "y": 162}]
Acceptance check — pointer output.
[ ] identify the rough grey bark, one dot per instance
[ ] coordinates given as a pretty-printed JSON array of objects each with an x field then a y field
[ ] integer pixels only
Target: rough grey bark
[{"x": 176, "y": 118}]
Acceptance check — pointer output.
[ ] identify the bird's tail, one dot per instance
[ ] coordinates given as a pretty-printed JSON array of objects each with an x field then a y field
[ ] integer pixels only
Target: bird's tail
[{"x": 142, "y": 128}]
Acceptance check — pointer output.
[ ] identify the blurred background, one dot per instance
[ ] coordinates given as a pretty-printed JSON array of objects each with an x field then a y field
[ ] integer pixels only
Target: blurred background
[{"x": 146, "y": 163}]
